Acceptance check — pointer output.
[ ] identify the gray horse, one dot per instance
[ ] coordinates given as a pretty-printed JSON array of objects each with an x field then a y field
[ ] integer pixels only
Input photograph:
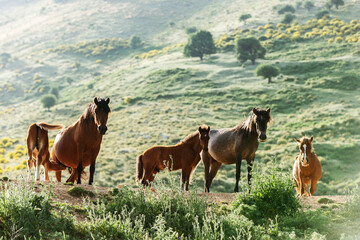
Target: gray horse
[{"x": 231, "y": 145}]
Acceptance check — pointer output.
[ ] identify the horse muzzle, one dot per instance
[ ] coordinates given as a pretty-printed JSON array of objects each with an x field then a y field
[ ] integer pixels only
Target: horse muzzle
[
  {"x": 262, "y": 137},
  {"x": 102, "y": 130}
]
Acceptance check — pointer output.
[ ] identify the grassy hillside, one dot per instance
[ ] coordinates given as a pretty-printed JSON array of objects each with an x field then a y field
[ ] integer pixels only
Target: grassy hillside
[{"x": 159, "y": 97}]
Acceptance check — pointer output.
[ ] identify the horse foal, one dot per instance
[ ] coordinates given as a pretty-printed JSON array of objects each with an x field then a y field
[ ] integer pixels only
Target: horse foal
[
  {"x": 38, "y": 149},
  {"x": 184, "y": 155},
  {"x": 307, "y": 168}
]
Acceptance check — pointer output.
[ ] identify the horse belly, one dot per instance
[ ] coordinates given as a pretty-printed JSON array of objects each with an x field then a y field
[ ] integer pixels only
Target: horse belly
[{"x": 66, "y": 153}]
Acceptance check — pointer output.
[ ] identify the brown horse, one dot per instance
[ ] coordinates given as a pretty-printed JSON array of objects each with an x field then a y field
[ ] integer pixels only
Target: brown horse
[
  {"x": 232, "y": 145},
  {"x": 38, "y": 149},
  {"x": 307, "y": 167},
  {"x": 78, "y": 145},
  {"x": 184, "y": 155}
]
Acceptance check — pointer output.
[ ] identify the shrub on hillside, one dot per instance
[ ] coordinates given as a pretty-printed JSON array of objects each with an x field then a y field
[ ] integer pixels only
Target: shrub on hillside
[
  {"x": 190, "y": 30},
  {"x": 286, "y": 9},
  {"x": 48, "y": 101},
  {"x": 199, "y": 44},
  {"x": 270, "y": 195}
]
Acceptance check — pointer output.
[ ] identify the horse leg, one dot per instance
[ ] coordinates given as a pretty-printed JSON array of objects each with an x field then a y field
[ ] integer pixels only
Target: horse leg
[
  {"x": 37, "y": 166},
  {"x": 206, "y": 161},
  {"x": 313, "y": 187},
  {"x": 58, "y": 176},
  {"x": 249, "y": 171},
  {"x": 238, "y": 171},
  {"x": 79, "y": 171},
  {"x": 46, "y": 166},
  {"x": 92, "y": 171},
  {"x": 185, "y": 178},
  {"x": 214, "y": 167},
  {"x": 30, "y": 163}
]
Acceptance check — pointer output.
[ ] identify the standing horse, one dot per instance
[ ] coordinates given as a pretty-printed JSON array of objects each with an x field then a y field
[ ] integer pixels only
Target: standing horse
[
  {"x": 78, "y": 145},
  {"x": 184, "y": 155},
  {"x": 38, "y": 149},
  {"x": 231, "y": 145},
  {"x": 307, "y": 167}
]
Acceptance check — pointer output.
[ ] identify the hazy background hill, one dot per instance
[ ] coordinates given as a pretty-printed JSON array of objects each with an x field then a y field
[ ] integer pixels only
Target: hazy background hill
[{"x": 157, "y": 96}]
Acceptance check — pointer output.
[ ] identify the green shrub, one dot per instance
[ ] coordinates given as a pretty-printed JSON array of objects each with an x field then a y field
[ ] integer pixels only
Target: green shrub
[
  {"x": 80, "y": 192},
  {"x": 270, "y": 196}
]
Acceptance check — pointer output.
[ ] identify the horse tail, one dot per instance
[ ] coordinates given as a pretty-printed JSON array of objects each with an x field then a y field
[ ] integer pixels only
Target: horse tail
[
  {"x": 139, "y": 168},
  {"x": 47, "y": 126}
]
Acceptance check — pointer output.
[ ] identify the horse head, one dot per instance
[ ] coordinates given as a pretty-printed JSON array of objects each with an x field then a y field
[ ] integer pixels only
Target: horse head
[
  {"x": 101, "y": 113},
  {"x": 262, "y": 119},
  {"x": 204, "y": 137},
  {"x": 305, "y": 146}
]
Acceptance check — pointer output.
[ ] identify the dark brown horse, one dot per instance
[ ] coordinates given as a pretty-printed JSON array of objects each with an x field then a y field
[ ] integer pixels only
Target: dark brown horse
[
  {"x": 78, "y": 145},
  {"x": 38, "y": 149},
  {"x": 184, "y": 155},
  {"x": 232, "y": 145},
  {"x": 307, "y": 168}
]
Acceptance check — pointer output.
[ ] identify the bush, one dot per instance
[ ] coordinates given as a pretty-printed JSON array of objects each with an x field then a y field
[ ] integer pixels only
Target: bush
[
  {"x": 286, "y": 8},
  {"x": 199, "y": 44},
  {"x": 135, "y": 42},
  {"x": 48, "y": 101},
  {"x": 267, "y": 71},
  {"x": 54, "y": 91},
  {"x": 322, "y": 14},
  {"x": 288, "y": 18},
  {"x": 190, "y": 30},
  {"x": 270, "y": 196}
]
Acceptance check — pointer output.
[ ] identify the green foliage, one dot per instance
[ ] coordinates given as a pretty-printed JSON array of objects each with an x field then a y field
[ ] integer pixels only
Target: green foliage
[
  {"x": 270, "y": 195},
  {"x": 337, "y": 3},
  {"x": 80, "y": 192},
  {"x": 288, "y": 18},
  {"x": 48, "y": 101},
  {"x": 190, "y": 30},
  {"x": 244, "y": 17},
  {"x": 249, "y": 49},
  {"x": 199, "y": 44},
  {"x": 267, "y": 71},
  {"x": 135, "y": 42},
  {"x": 309, "y": 5},
  {"x": 286, "y": 9},
  {"x": 94, "y": 48},
  {"x": 323, "y": 13},
  {"x": 54, "y": 91},
  {"x": 26, "y": 213},
  {"x": 69, "y": 80}
]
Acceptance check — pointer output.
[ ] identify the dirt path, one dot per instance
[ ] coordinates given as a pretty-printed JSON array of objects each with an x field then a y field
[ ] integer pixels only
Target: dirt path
[{"x": 60, "y": 194}]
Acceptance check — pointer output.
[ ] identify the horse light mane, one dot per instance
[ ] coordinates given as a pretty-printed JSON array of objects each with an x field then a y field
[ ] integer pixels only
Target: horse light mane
[
  {"x": 189, "y": 137},
  {"x": 248, "y": 125},
  {"x": 89, "y": 112}
]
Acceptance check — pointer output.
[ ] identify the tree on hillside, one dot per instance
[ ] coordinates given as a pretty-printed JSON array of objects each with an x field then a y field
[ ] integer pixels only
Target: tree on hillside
[
  {"x": 267, "y": 71},
  {"x": 309, "y": 5},
  {"x": 323, "y": 13},
  {"x": 244, "y": 17},
  {"x": 288, "y": 18},
  {"x": 337, "y": 3},
  {"x": 135, "y": 42},
  {"x": 48, "y": 101},
  {"x": 54, "y": 91},
  {"x": 286, "y": 8},
  {"x": 190, "y": 30},
  {"x": 249, "y": 49},
  {"x": 199, "y": 44}
]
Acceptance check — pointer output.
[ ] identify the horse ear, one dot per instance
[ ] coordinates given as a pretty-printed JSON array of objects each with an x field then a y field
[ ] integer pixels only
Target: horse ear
[
  {"x": 208, "y": 129},
  {"x": 199, "y": 129},
  {"x": 107, "y": 100},
  {"x": 255, "y": 111},
  {"x": 96, "y": 101},
  {"x": 297, "y": 140},
  {"x": 312, "y": 138},
  {"x": 268, "y": 110}
]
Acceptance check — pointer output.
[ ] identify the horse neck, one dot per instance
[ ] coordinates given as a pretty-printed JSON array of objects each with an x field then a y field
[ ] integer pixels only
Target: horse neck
[
  {"x": 88, "y": 120},
  {"x": 249, "y": 128},
  {"x": 193, "y": 143}
]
